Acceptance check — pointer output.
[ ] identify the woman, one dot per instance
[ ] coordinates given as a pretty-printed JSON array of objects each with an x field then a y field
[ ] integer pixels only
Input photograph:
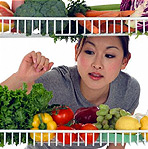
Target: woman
[{"x": 96, "y": 79}]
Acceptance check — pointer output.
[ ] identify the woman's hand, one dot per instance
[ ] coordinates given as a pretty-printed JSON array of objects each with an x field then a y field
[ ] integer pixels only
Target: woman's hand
[{"x": 33, "y": 66}]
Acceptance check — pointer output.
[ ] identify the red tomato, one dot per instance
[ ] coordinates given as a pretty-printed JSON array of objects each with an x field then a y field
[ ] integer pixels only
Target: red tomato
[
  {"x": 89, "y": 126},
  {"x": 67, "y": 135},
  {"x": 62, "y": 115},
  {"x": 77, "y": 126}
]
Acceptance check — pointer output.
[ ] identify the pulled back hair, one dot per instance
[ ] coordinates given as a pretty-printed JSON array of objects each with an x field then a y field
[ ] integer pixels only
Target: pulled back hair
[
  {"x": 125, "y": 44},
  {"x": 123, "y": 39}
]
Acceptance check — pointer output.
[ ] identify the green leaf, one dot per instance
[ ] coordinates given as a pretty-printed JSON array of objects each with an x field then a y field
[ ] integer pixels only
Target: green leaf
[
  {"x": 146, "y": 33},
  {"x": 18, "y": 108},
  {"x": 138, "y": 33}
]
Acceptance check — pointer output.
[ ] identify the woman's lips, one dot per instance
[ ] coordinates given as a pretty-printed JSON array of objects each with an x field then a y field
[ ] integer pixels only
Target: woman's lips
[{"x": 95, "y": 76}]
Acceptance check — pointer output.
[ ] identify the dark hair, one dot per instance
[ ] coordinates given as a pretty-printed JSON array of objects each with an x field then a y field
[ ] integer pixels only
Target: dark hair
[
  {"x": 123, "y": 39},
  {"x": 125, "y": 44}
]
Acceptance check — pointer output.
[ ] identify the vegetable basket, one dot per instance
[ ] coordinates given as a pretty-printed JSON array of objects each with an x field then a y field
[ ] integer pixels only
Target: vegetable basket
[
  {"x": 32, "y": 26},
  {"x": 105, "y": 137}
]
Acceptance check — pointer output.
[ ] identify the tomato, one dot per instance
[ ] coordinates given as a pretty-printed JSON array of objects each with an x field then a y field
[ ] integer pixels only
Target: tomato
[
  {"x": 77, "y": 126},
  {"x": 89, "y": 126},
  {"x": 67, "y": 135},
  {"x": 62, "y": 114}
]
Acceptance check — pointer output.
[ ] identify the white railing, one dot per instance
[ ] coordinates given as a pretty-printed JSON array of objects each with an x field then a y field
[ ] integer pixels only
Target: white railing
[
  {"x": 105, "y": 136},
  {"x": 33, "y": 26}
]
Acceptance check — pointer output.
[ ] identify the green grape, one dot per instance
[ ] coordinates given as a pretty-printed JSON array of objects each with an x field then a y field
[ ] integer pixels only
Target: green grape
[
  {"x": 106, "y": 126},
  {"x": 100, "y": 118},
  {"x": 98, "y": 125},
  {"x": 118, "y": 109},
  {"x": 115, "y": 119},
  {"x": 108, "y": 116},
  {"x": 104, "y": 122},
  {"x": 114, "y": 110},
  {"x": 112, "y": 126},
  {"x": 123, "y": 112},
  {"x": 102, "y": 112},
  {"x": 128, "y": 113},
  {"x": 112, "y": 122},
  {"x": 103, "y": 106},
  {"x": 117, "y": 115}
]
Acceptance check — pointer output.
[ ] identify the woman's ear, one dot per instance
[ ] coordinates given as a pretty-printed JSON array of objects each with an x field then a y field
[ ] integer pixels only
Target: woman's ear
[
  {"x": 76, "y": 52},
  {"x": 125, "y": 61}
]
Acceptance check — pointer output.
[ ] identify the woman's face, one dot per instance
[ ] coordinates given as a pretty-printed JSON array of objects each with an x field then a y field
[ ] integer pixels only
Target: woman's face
[{"x": 100, "y": 61}]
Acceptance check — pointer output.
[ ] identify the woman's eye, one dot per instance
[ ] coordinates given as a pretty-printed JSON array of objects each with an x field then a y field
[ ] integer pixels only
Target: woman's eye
[
  {"x": 89, "y": 52},
  {"x": 109, "y": 56}
]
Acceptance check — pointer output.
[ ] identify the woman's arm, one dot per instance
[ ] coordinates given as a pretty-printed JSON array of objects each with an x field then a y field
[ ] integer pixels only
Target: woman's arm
[
  {"x": 31, "y": 68},
  {"x": 13, "y": 82}
]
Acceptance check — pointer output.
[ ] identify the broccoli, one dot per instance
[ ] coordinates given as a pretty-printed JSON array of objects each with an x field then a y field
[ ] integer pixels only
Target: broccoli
[{"x": 41, "y": 8}]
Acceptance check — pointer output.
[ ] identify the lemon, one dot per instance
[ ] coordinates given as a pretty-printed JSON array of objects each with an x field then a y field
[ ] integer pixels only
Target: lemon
[
  {"x": 127, "y": 123},
  {"x": 144, "y": 122},
  {"x": 144, "y": 125}
]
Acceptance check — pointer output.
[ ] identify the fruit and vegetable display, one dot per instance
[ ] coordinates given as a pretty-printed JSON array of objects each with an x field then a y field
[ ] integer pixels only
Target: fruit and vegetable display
[
  {"x": 22, "y": 111},
  {"x": 78, "y": 9}
]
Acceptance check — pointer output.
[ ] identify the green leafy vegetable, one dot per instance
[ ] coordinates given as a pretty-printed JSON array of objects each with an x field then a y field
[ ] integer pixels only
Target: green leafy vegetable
[
  {"x": 41, "y": 8},
  {"x": 72, "y": 8},
  {"x": 18, "y": 109},
  {"x": 76, "y": 7}
]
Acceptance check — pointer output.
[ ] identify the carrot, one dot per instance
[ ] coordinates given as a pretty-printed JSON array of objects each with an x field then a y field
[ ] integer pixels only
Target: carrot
[
  {"x": 111, "y": 14},
  {"x": 117, "y": 28},
  {"x": 94, "y": 13},
  {"x": 96, "y": 22},
  {"x": 126, "y": 13},
  {"x": 88, "y": 24},
  {"x": 107, "y": 14}
]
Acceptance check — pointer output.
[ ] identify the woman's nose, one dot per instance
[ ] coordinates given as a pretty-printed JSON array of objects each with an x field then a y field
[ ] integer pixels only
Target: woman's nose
[{"x": 97, "y": 64}]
